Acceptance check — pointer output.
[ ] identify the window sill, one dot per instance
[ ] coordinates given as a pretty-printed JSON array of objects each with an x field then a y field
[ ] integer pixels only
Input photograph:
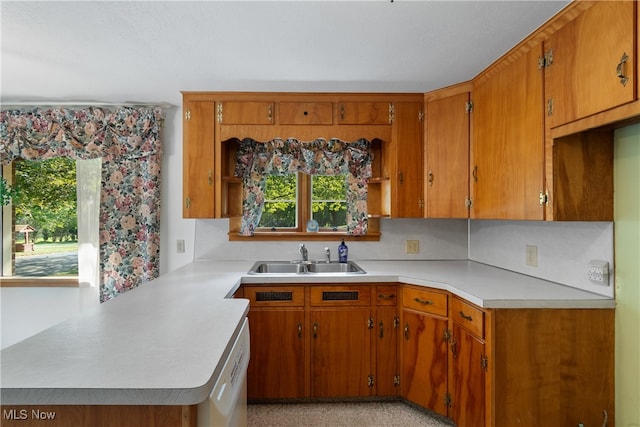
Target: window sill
[
  {"x": 295, "y": 236},
  {"x": 39, "y": 282}
]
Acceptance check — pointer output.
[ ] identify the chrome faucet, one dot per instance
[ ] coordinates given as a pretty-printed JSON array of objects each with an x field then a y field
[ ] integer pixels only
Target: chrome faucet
[
  {"x": 327, "y": 253},
  {"x": 303, "y": 251}
]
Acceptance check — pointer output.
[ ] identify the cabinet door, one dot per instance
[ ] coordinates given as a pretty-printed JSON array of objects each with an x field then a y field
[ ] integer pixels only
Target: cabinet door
[
  {"x": 447, "y": 157},
  {"x": 407, "y": 161},
  {"x": 363, "y": 113},
  {"x": 424, "y": 360},
  {"x": 245, "y": 112},
  {"x": 276, "y": 368},
  {"x": 340, "y": 352},
  {"x": 588, "y": 69},
  {"x": 386, "y": 351},
  {"x": 198, "y": 160},
  {"x": 305, "y": 113},
  {"x": 508, "y": 141},
  {"x": 467, "y": 382}
]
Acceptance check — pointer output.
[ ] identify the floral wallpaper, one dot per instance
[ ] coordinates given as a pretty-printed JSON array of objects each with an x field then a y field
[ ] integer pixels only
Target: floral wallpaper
[
  {"x": 256, "y": 160},
  {"x": 128, "y": 141}
]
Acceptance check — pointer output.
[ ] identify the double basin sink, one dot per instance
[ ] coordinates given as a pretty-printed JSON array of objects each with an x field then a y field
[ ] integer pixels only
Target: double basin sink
[{"x": 304, "y": 267}]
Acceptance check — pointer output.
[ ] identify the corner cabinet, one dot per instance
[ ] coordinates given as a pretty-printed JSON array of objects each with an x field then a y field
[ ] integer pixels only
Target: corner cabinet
[{"x": 507, "y": 155}]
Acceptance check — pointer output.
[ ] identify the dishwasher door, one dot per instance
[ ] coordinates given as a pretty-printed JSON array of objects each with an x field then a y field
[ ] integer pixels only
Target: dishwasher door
[{"x": 227, "y": 402}]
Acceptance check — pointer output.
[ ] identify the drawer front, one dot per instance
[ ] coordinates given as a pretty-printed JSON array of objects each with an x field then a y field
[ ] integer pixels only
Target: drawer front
[
  {"x": 386, "y": 295},
  {"x": 341, "y": 295},
  {"x": 425, "y": 300},
  {"x": 275, "y": 296},
  {"x": 468, "y": 316},
  {"x": 245, "y": 113},
  {"x": 305, "y": 113},
  {"x": 364, "y": 113}
]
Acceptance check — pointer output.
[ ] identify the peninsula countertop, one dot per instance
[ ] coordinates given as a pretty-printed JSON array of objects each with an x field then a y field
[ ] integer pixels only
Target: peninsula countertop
[{"x": 165, "y": 342}]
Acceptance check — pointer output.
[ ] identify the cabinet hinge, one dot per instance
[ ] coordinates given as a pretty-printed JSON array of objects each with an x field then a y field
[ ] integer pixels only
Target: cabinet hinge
[
  {"x": 468, "y": 107},
  {"x": 370, "y": 381},
  {"x": 396, "y": 322},
  {"x": 546, "y": 60},
  {"x": 392, "y": 112},
  {"x": 370, "y": 323},
  {"x": 421, "y": 116},
  {"x": 550, "y": 107},
  {"x": 447, "y": 400},
  {"x": 187, "y": 202},
  {"x": 484, "y": 363},
  {"x": 468, "y": 202},
  {"x": 219, "y": 112},
  {"x": 396, "y": 380},
  {"x": 544, "y": 199},
  {"x": 446, "y": 335},
  {"x": 187, "y": 115}
]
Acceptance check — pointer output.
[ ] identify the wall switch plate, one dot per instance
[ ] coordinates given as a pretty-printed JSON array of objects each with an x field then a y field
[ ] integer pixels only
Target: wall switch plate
[
  {"x": 598, "y": 272},
  {"x": 180, "y": 246},
  {"x": 412, "y": 246},
  {"x": 531, "y": 254}
]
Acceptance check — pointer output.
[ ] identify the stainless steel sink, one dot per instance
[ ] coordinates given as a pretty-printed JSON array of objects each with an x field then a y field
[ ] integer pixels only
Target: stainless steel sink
[{"x": 312, "y": 268}]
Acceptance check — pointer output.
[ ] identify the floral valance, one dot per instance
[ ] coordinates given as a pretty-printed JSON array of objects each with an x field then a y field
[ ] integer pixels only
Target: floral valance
[
  {"x": 37, "y": 133},
  {"x": 256, "y": 160}
]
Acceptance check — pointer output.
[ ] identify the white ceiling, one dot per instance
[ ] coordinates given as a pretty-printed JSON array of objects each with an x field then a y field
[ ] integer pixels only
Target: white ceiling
[{"x": 149, "y": 51}]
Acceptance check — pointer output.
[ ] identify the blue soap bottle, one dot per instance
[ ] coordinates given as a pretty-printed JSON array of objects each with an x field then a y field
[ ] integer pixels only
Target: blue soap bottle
[{"x": 343, "y": 252}]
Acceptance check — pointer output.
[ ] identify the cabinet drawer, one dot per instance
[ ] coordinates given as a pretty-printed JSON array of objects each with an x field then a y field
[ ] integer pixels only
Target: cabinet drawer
[
  {"x": 341, "y": 295},
  {"x": 305, "y": 113},
  {"x": 386, "y": 295},
  {"x": 469, "y": 317},
  {"x": 275, "y": 296},
  {"x": 425, "y": 300},
  {"x": 364, "y": 113},
  {"x": 245, "y": 113}
]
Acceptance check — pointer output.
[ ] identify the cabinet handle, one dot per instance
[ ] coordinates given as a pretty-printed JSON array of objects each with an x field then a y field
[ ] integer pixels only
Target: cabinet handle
[
  {"x": 299, "y": 330},
  {"x": 454, "y": 348},
  {"x": 466, "y": 316},
  {"x": 423, "y": 301},
  {"x": 401, "y": 177},
  {"x": 341, "y": 112},
  {"x": 621, "y": 69},
  {"x": 430, "y": 178},
  {"x": 270, "y": 113},
  {"x": 315, "y": 330},
  {"x": 387, "y": 297},
  {"x": 406, "y": 331},
  {"x": 210, "y": 177},
  {"x": 381, "y": 329},
  {"x": 474, "y": 173}
]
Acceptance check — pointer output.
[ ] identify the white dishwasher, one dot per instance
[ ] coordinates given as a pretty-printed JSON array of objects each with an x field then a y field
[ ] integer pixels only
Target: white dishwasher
[{"x": 227, "y": 402}]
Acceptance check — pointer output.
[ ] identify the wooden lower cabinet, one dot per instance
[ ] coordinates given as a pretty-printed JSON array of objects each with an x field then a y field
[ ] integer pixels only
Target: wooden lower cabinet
[{"x": 277, "y": 329}]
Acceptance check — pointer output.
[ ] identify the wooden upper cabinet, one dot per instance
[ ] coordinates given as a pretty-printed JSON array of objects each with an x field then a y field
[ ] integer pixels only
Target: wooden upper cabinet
[
  {"x": 406, "y": 159},
  {"x": 507, "y": 164},
  {"x": 198, "y": 161},
  {"x": 447, "y": 157},
  {"x": 363, "y": 113},
  {"x": 591, "y": 63},
  {"x": 245, "y": 112},
  {"x": 305, "y": 113}
]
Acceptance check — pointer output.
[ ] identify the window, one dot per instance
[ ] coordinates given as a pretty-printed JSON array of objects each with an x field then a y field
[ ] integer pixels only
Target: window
[
  {"x": 47, "y": 228},
  {"x": 294, "y": 199}
]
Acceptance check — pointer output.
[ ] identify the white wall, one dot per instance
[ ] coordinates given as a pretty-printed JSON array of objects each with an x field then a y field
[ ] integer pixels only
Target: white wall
[
  {"x": 439, "y": 239},
  {"x": 564, "y": 249}
]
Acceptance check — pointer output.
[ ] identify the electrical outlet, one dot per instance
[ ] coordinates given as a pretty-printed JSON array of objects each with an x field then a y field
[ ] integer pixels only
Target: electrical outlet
[
  {"x": 598, "y": 272},
  {"x": 180, "y": 246},
  {"x": 531, "y": 254},
  {"x": 412, "y": 246}
]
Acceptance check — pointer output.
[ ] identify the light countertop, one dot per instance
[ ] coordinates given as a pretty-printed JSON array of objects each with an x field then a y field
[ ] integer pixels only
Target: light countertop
[{"x": 165, "y": 342}]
